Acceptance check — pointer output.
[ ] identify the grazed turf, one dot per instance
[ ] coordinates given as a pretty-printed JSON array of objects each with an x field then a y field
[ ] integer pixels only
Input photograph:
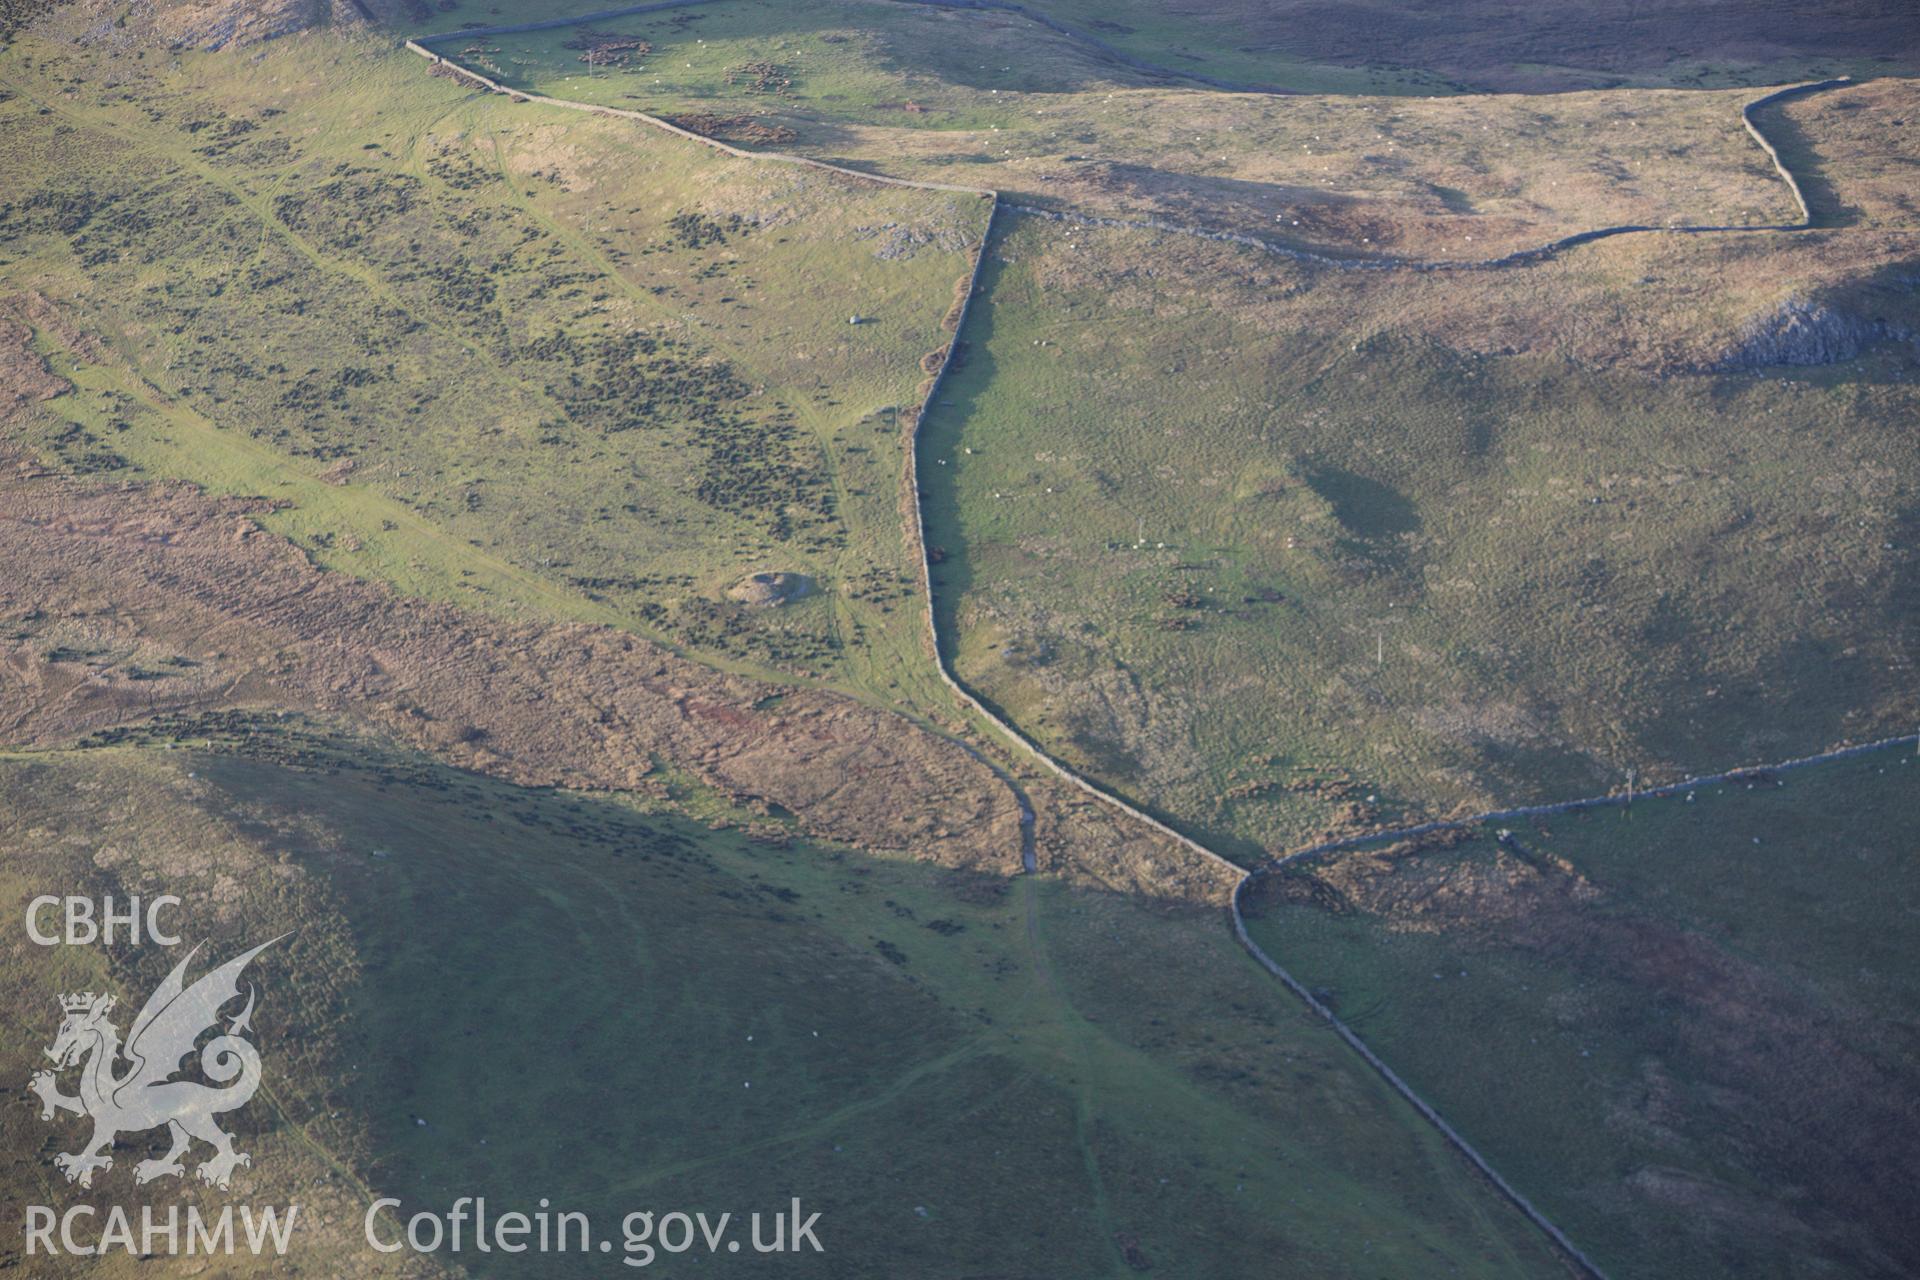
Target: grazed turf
[
  {"x": 1277, "y": 549},
  {"x": 992, "y": 98},
  {"x": 509, "y": 255},
  {"x": 1345, "y": 46}
]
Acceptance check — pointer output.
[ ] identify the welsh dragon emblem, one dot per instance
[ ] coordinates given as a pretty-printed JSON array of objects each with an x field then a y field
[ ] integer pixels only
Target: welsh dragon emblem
[{"x": 144, "y": 1096}]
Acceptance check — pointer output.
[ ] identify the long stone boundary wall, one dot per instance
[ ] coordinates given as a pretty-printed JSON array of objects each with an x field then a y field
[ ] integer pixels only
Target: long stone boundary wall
[
  {"x": 1225, "y": 867},
  {"x": 1405, "y": 1090},
  {"x": 947, "y": 676},
  {"x": 593, "y": 108},
  {"x": 1773, "y": 153},
  {"x": 1520, "y": 257},
  {"x": 918, "y": 530},
  {"x": 1242, "y": 878},
  {"x": 1615, "y": 799}
]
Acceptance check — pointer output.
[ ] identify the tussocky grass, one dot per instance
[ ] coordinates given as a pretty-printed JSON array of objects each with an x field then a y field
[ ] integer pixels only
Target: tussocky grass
[{"x": 932, "y": 93}]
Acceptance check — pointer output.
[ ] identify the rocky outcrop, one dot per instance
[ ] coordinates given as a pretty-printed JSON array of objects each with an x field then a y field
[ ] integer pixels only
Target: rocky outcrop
[
  {"x": 220, "y": 24},
  {"x": 1801, "y": 331}
]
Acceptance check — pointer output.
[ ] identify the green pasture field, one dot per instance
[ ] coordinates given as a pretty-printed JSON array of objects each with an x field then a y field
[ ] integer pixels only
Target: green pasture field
[
  {"x": 1359, "y": 46},
  {"x": 1275, "y": 550},
  {"x": 849, "y": 61},
  {"x": 863, "y": 53},
  {"x": 1684, "y": 1030},
  {"x": 1350, "y": 49},
  {"x": 1242, "y": 541}
]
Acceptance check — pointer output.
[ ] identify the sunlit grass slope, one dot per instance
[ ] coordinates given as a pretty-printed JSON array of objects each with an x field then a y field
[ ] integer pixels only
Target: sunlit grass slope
[
  {"x": 1280, "y": 549},
  {"x": 503, "y": 354},
  {"x": 989, "y": 98}
]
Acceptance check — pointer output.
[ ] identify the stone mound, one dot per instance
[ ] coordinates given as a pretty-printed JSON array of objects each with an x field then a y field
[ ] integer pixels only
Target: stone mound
[{"x": 770, "y": 588}]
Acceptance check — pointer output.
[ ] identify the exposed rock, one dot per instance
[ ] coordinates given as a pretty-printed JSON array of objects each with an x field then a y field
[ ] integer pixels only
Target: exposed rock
[
  {"x": 1804, "y": 332},
  {"x": 216, "y": 24}
]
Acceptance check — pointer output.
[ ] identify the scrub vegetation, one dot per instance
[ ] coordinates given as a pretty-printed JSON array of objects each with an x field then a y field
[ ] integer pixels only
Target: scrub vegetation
[{"x": 596, "y": 357}]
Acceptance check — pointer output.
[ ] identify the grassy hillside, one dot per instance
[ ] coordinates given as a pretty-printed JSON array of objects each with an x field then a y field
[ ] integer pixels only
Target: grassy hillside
[
  {"x": 1684, "y": 1029},
  {"x": 1276, "y": 549},
  {"x": 522, "y": 993},
  {"x": 1279, "y": 549},
  {"x": 505, "y": 355},
  {"x": 1357, "y": 47}
]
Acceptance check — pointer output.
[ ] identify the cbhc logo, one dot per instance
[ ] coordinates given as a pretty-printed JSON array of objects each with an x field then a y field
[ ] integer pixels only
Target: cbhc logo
[{"x": 84, "y": 925}]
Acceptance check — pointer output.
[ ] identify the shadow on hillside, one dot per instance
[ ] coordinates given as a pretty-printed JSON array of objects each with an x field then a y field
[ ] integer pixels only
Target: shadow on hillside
[{"x": 1800, "y": 154}]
